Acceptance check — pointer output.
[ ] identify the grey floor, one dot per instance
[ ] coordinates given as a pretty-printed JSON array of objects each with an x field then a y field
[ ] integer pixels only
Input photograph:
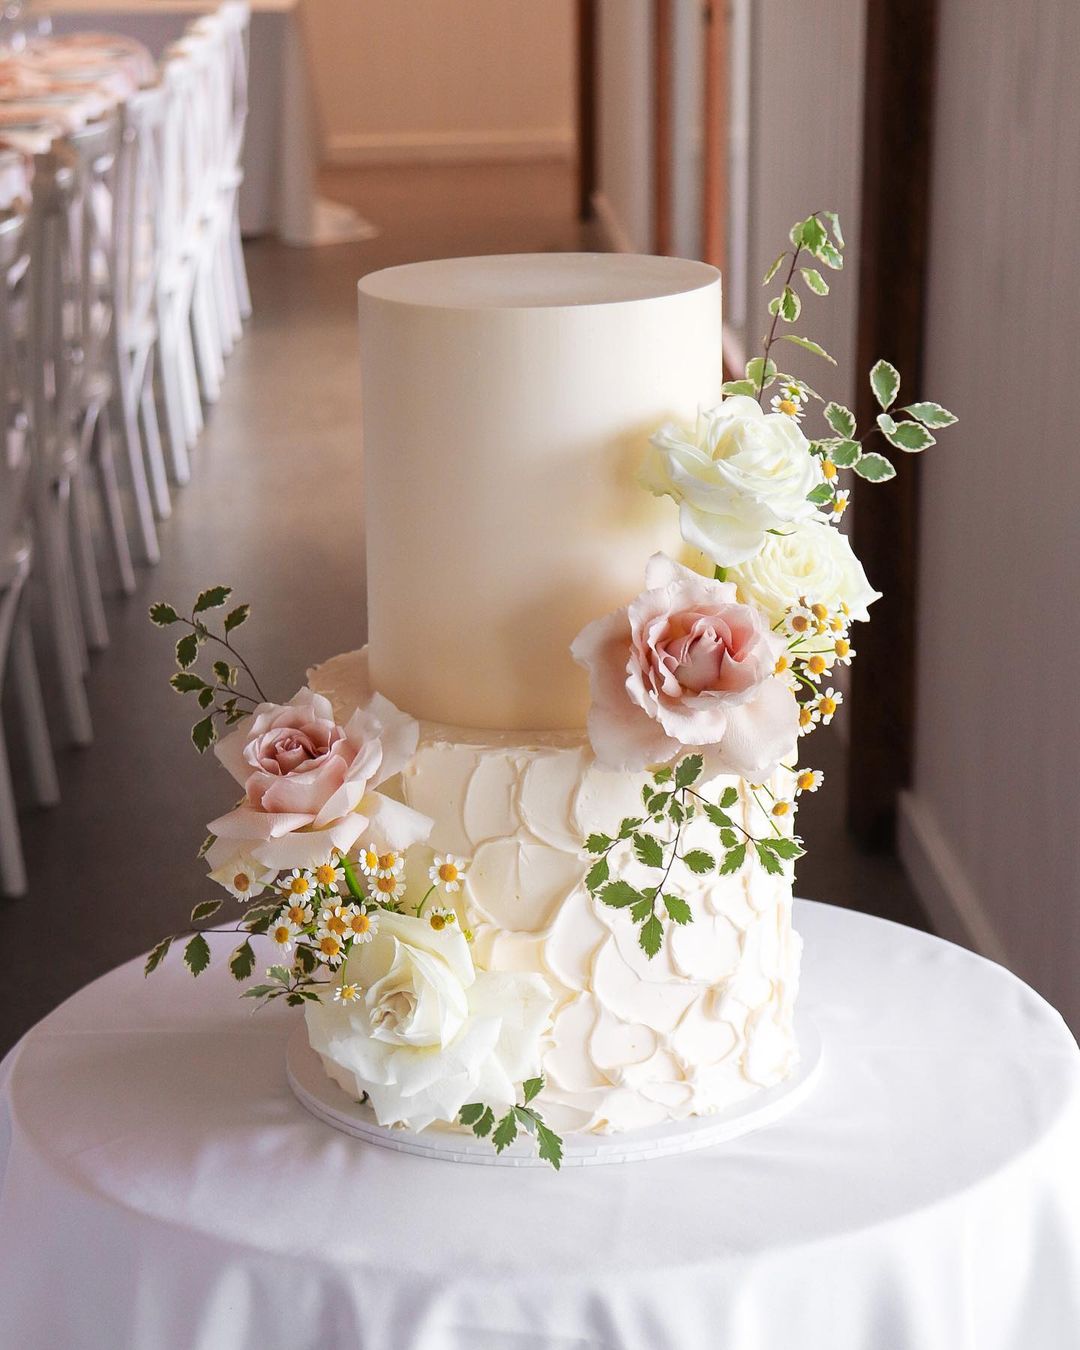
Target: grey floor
[{"x": 275, "y": 510}]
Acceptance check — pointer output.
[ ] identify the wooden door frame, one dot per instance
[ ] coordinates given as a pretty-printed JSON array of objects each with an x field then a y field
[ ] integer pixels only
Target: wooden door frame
[{"x": 893, "y": 246}]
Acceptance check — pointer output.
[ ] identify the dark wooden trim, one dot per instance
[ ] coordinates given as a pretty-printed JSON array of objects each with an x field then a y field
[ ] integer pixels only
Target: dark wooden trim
[
  {"x": 587, "y": 75},
  {"x": 715, "y": 140},
  {"x": 663, "y": 131},
  {"x": 898, "y": 116}
]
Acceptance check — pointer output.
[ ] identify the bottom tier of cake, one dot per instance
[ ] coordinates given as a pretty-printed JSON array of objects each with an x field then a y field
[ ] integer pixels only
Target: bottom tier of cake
[{"x": 626, "y": 1040}]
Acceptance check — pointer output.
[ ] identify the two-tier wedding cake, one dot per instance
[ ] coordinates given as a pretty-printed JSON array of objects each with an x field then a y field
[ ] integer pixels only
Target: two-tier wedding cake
[
  {"x": 507, "y": 402},
  {"x": 525, "y": 861}
]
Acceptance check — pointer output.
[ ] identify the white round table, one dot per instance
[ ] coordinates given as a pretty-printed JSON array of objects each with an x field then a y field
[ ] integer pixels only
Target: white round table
[{"x": 160, "y": 1187}]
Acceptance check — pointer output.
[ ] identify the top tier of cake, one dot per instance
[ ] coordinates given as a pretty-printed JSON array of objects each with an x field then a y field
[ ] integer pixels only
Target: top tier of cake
[{"x": 506, "y": 404}]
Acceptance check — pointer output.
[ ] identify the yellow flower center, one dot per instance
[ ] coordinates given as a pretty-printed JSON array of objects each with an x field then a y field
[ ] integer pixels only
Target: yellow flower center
[
  {"x": 839, "y": 506},
  {"x": 329, "y": 945},
  {"x": 387, "y": 885},
  {"x": 819, "y": 611},
  {"x": 388, "y": 860},
  {"x": 326, "y": 874},
  {"x": 281, "y": 934},
  {"x": 837, "y": 625},
  {"x": 241, "y": 882},
  {"x": 816, "y": 664},
  {"x": 800, "y": 623},
  {"x": 299, "y": 886},
  {"x": 828, "y": 468},
  {"x": 337, "y": 924},
  {"x": 782, "y": 664},
  {"x": 296, "y": 914},
  {"x": 371, "y": 860},
  {"x": 438, "y": 922},
  {"x": 827, "y": 706},
  {"x": 843, "y": 646},
  {"x": 348, "y": 993},
  {"x": 781, "y": 808},
  {"x": 448, "y": 872},
  {"x": 805, "y": 717},
  {"x": 789, "y": 406},
  {"x": 805, "y": 780},
  {"x": 360, "y": 923}
]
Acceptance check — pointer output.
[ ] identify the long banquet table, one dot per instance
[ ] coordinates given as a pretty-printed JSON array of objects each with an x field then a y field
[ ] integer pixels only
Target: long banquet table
[{"x": 159, "y": 1186}]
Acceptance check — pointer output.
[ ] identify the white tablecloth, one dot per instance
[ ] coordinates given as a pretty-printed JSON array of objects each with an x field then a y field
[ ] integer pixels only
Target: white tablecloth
[{"x": 162, "y": 1189}]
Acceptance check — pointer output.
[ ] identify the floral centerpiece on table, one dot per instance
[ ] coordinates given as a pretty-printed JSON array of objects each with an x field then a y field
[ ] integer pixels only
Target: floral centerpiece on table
[{"x": 720, "y": 666}]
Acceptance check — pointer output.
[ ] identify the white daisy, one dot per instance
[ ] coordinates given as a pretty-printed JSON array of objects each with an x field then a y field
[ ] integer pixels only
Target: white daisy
[
  {"x": 790, "y": 407},
  {"x": 346, "y": 993},
  {"x": 297, "y": 884},
  {"x": 389, "y": 888},
  {"x": 329, "y": 876},
  {"x": 799, "y": 620},
  {"x": 440, "y": 917},
  {"x": 782, "y": 807},
  {"x": 368, "y": 861},
  {"x": 817, "y": 664},
  {"x": 333, "y": 920},
  {"x": 282, "y": 933},
  {"x": 360, "y": 925},
  {"x": 447, "y": 872},
  {"x": 298, "y": 912},
  {"x": 808, "y": 780},
  {"x": 808, "y": 718},
  {"x": 243, "y": 878},
  {"x": 329, "y": 949},
  {"x": 828, "y": 703},
  {"x": 843, "y": 651},
  {"x": 391, "y": 864},
  {"x": 839, "y": 505}
]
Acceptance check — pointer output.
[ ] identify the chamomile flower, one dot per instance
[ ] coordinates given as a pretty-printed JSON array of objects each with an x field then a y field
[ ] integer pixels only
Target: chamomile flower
[
  {"x": 360, "y": 925},
  {"x": 389, "y": 887},
  {"x": 817, "y": 664},
  {"x": 333, "y": 919},
  {"x": 346, "y": 993},
  {"x": 843, "y": 651},
  {"x": 329, "y": 949},
  {"x": 784, "y": 672},
  {"x": 282, "y": 933},
  {"x": 391, "y": 864},
  {"x": 828, "y": 470},
  {"x": 808, "y": 718},
  {"x": 828, "y": 703},
  {"x": 799, "y": 620},
  {"x": 808, "y": 780},
  {"x": 298, "y": 884},
  {"x": 782, "y": 807},
  {"x": 439, "y": 917},
  {"x": 447, "y": 872},
  {"x": 242, "y": 878},
  {"x": 839, "y": 506},
  {"x": 298, "y": 912},
  {"x": 369, "y": 861},
  {"x": 783, "y": 402},
  {"x": 329, "y": 876}
]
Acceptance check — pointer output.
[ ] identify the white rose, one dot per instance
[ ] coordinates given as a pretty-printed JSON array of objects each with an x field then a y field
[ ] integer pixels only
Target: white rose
[
  {"x": 811, "y": 559},
  {"x": 740, "y": 473},
  {"x": 428, "y": 1032}
]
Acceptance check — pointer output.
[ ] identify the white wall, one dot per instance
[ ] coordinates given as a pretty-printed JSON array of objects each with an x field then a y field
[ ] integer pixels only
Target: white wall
[
  {"x": 991, "y": 830},
  {"x": 624, "y": 115},
  {"x": 805, "y": 150},
  {"x": 427, "y": 80}
]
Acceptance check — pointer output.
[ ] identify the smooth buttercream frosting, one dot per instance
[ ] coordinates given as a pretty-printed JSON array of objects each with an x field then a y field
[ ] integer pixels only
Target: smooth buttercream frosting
[{"x": 632, "y": 1042}]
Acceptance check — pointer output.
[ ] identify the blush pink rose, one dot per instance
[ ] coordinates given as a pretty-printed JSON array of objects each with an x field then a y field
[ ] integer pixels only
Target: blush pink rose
[
  {"x": 309, "y": 782},
  {"x": 686, "y": 666}
]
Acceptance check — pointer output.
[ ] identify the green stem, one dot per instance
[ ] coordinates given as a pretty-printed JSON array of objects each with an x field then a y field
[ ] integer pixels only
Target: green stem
[
  {"x": 355, "y": 889},
  {"x": 420, "y": 907},
  {"x": 771, "y": 337}
]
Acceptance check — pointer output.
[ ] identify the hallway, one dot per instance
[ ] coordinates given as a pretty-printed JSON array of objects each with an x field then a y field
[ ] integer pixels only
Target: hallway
[{"x": 275, "y": 510}]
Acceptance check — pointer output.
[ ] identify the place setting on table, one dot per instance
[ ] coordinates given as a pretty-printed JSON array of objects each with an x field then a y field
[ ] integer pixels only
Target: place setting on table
[{"x": 506, "y": 1027}]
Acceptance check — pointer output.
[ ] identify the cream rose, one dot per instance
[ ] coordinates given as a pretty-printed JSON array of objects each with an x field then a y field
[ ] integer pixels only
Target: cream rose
[
  {"x": 309, "y": 783},
  {"x": 685, "y": 665},
  {"x": 740, "y": 473},
  {"x": 429, "y": 1032},
  {"x": 811, "y": 559}
]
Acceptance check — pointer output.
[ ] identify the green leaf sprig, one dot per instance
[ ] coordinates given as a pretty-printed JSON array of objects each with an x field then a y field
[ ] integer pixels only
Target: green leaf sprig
[
  {"x": 670, "y": 800},
  {"x": 504, "y": 1130},
  {"x": 220, "y": 696}
]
